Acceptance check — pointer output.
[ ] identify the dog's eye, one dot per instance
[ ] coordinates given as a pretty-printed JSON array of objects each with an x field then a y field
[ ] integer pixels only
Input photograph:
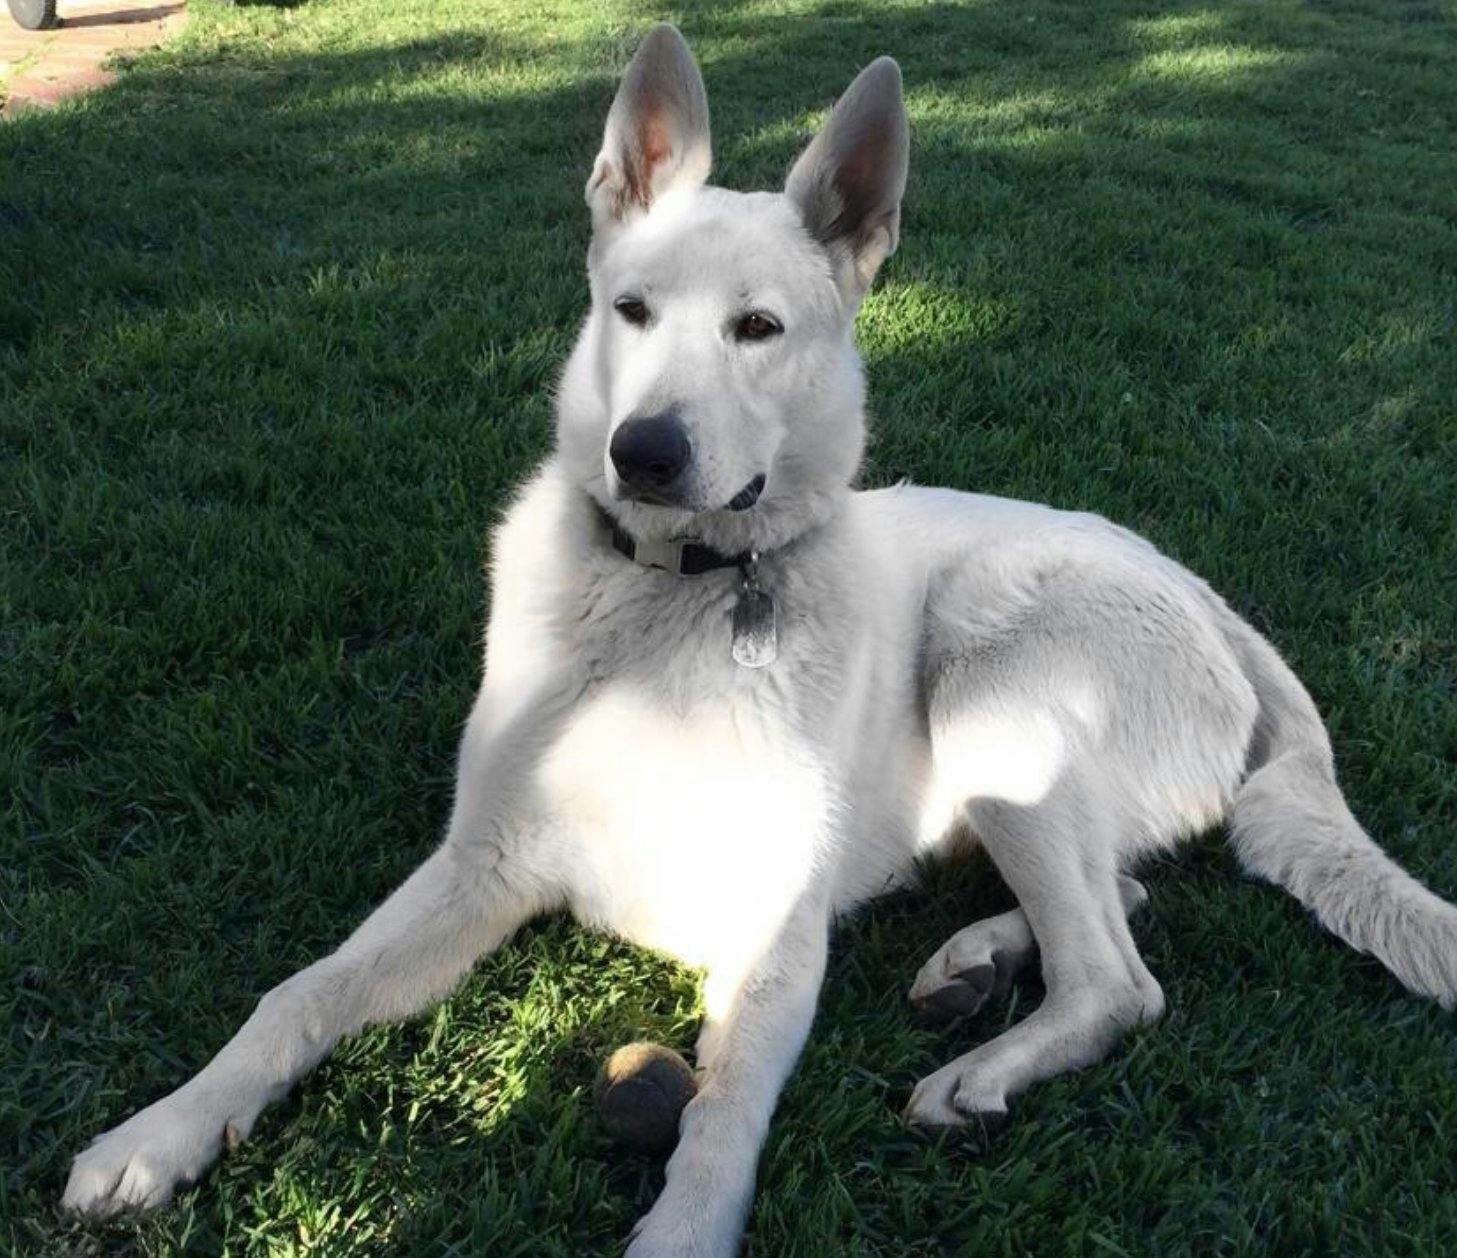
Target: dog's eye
[
  {"x": 755, "y": 326},
  {"x": 632, "y": 309}
]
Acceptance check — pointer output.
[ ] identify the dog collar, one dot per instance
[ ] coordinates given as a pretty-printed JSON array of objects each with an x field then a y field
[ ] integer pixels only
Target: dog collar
[
  {"x": 754, "y": 620},
  {"x": 683, "y": 557}
]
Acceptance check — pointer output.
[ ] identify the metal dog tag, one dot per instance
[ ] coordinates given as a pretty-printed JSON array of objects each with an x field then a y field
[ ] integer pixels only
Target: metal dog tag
[{"x": 756, "y": 640}]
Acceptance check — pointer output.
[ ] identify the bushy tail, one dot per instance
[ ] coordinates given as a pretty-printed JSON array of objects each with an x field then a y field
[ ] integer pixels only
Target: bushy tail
[{"x": 1290, "y": 824}]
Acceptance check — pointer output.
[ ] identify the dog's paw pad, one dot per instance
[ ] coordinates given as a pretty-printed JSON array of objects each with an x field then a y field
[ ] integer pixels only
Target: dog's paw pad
[{"x": 960, "y": 996}]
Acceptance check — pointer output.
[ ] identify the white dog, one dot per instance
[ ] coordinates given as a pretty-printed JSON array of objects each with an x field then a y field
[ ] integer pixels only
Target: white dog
[{"x": 727, "y": 697}]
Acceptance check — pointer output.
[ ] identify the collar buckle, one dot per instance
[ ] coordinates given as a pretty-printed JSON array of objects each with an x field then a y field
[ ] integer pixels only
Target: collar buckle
[
  {"x": 683, "y": 556},
  {"x": 665, "y": 555}
]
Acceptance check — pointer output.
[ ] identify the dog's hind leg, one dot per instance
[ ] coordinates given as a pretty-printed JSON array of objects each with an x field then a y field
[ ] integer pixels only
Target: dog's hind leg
[
  {"x": 982, "y": 959},
  {"x": 464, "y": 901},
  {"x": 1059, "y": 858}
]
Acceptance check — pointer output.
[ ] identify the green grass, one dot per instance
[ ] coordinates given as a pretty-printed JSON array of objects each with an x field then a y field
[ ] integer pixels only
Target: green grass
[{"x": 279, "y": 317}]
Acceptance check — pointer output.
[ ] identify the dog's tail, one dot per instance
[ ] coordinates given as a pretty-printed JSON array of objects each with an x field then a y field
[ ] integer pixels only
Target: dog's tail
[{"x": 1290, "y": 824}]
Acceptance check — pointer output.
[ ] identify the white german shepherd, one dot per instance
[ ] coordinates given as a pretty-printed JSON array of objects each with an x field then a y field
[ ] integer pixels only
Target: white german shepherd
[{"x": 727, "y": 697}]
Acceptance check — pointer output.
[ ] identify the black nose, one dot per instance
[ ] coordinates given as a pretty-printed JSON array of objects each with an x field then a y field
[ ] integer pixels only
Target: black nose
[{"x": 650, "y": 453}]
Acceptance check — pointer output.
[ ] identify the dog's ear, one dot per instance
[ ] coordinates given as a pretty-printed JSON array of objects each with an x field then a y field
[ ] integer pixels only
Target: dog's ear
[
  {"x": 657, "y": 131},
  {"x": 848, "y": 183}
]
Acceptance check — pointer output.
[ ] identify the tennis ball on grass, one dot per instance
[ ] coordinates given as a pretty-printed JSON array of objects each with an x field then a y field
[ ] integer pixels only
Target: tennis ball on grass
[{"x": 641, "y": 1093}]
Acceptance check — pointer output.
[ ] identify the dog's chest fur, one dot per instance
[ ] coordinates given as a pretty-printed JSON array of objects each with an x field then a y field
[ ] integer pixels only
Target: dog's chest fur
[
  {"x": 696, "y": 796},
  {"x": 699, "y": 795},
  {"x": 685, "y": 825}
]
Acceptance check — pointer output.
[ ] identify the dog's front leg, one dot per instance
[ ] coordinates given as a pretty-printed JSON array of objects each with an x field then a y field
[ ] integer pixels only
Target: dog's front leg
[
  {"x": 758, "y": 1018},
  {"x": 462, "y": 902}
]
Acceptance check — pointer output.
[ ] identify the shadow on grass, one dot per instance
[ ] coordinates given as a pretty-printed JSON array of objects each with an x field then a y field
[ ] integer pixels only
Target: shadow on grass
[{"x": 277, "y": 333}]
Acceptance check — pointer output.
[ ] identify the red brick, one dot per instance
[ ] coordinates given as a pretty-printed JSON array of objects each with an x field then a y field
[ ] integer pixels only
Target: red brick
[{"x": 68, "y": 61}]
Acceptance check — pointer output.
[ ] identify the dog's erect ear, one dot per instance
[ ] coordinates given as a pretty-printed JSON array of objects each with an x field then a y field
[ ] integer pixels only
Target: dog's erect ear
[
  {"x": 657, "y": 131},
  {"x": 848, "y": 183}
]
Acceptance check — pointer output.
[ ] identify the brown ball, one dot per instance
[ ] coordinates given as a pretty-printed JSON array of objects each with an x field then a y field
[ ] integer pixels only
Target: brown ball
[{"x": 641, "y": 1093}]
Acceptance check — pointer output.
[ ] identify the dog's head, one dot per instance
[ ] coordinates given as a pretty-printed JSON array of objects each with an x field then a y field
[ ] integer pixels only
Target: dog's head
[{"x": 715, "y": 389}]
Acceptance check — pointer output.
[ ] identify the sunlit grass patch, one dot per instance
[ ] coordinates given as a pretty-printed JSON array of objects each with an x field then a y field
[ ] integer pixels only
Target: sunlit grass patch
[{"x": 1212, "y": 65}]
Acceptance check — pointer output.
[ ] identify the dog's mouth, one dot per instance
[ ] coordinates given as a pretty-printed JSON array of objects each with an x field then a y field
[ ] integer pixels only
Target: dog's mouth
[
  {"x": 741, "y": 501},
  {"x": 748, "y": 495}
]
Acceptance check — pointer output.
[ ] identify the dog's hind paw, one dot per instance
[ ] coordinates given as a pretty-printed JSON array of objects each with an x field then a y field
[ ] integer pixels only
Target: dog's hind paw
[
  {"x": 951, "y": 1098},
  {"x": 957, "y": 995},
  {"x": 972, "y": 965}
]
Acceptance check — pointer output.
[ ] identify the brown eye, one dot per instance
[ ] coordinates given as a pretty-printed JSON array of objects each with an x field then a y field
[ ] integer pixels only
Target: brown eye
[
  {"x": 631, "y": 309},
  {"x": 756, "y": 327}
]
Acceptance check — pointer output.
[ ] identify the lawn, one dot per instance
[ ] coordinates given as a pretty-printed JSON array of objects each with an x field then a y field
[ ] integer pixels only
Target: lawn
[{"x": 279, "y": 320}]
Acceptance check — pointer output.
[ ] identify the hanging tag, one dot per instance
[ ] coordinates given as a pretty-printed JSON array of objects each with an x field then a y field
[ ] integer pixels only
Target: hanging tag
[{"x": 756, "y": 639}]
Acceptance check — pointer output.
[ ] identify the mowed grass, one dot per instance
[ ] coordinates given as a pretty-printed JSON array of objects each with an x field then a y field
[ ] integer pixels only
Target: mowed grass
[{"x": 279, "y": 320}]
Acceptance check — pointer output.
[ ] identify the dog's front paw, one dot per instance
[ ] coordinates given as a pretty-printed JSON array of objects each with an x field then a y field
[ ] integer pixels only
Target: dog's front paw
[
  {"x": 687, "y": 1228},
  {"x": 654, "y": 1239},
  {"x": 141, "y": 1163}
]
